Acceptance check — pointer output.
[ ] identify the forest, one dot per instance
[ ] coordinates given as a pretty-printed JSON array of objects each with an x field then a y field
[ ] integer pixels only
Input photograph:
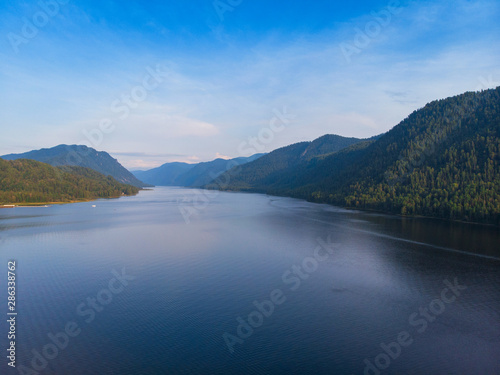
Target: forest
[
  {"x": 25, "y": 181},
  {"x": 442, "y": 161}
]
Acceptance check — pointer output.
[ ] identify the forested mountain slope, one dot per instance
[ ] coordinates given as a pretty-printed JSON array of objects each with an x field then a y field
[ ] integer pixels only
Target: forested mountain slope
[
  {"x": 29, "y": 181},
  {"x": 80, "y": 156},
  {"x": 442, "y": 161}
]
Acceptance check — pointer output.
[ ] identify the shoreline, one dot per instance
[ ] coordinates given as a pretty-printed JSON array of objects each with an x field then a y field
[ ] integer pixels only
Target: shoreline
[
  {"x": 366, "y": 210},
  {"x": 43, "y": 204}
]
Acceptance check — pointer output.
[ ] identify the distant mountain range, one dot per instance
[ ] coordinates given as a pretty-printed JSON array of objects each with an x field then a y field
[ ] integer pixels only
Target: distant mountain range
[
  {"x": 269, "y": 165},
  {"x": 81, "y": 156},
  {"x": 443, "y": 161},
  {"x": 32, "y": 182},
  {"x": 190, "y": 175}
]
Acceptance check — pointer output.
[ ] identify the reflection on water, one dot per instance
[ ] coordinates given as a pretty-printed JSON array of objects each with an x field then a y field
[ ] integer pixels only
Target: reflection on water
[{"x": 194, "y": 281}]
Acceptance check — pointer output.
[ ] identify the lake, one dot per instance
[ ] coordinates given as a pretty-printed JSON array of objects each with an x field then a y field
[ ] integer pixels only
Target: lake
[{"x": 181, "y": 281}]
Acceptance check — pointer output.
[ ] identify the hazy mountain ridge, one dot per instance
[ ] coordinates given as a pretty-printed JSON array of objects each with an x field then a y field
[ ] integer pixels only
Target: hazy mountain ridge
[
  {"x": 80, "y": 156},
  {"x": 164, "y": 175},
  {"x": 190, "y": 175}
]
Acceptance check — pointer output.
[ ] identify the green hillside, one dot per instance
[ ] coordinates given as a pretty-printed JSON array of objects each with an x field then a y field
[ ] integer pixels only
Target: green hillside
[
  {"x": 441, "y": 161},
  {"x": 81, "y": 156},
  {"x": 29, "y": 181}
]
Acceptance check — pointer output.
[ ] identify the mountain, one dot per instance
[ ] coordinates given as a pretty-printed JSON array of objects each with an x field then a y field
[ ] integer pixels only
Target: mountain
[
  {"x": 190, "y": 175},
  {"x": 442, "y": 161},
  {"x": 30, "y": 181},
  {"x": 265, "y": 171},
  {"x": 81, "y": 156},
  {"x": 165, "y": 175},
  {"x": 203, "y": 173}
]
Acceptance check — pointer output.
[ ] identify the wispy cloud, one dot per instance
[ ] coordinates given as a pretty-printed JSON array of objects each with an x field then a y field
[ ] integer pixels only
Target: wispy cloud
[
  {"x": 220, "y": 91},
  {"x": 220, "y": 156}
]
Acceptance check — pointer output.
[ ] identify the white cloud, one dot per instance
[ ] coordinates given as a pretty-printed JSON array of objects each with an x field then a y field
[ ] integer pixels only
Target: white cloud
[
  {"x": 213, "y": 101},
  {"x": 220, "y": 156}
]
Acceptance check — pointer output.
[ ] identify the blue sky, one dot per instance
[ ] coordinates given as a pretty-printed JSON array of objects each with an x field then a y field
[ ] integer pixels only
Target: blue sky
[{"x": 160, "y": 81}]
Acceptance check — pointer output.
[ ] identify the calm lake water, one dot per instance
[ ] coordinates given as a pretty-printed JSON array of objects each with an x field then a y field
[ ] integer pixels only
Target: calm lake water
[{"x": 344, "y": 285}]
